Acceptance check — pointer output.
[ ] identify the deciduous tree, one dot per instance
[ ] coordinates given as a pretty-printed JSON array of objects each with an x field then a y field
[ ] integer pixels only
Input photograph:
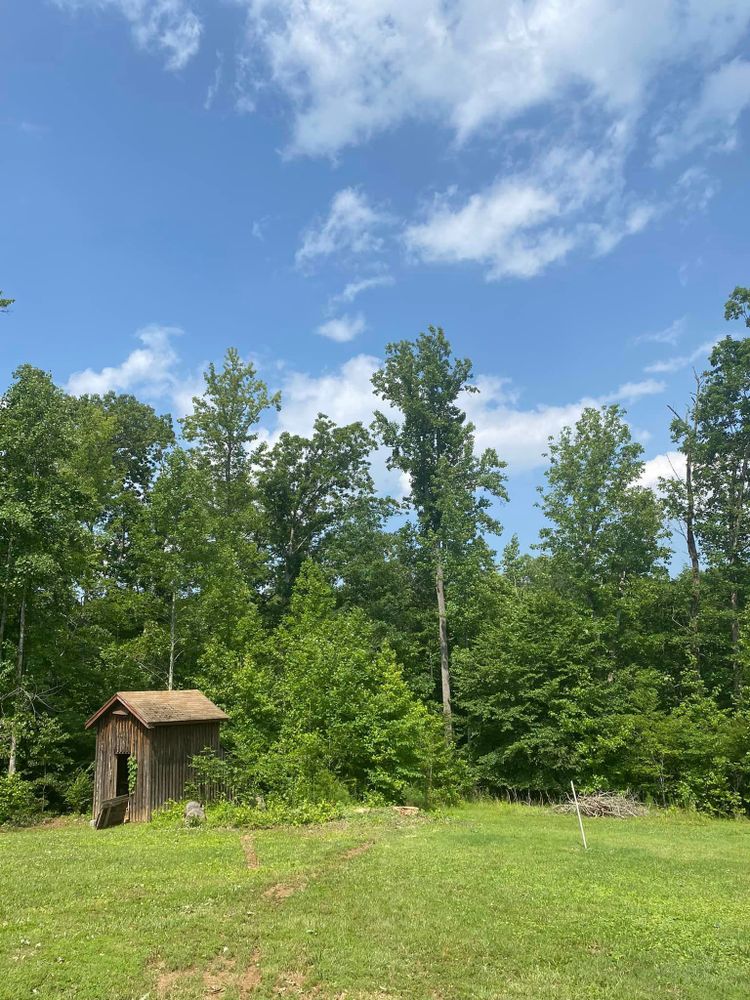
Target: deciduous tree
[{"x": 451, "y": 490}]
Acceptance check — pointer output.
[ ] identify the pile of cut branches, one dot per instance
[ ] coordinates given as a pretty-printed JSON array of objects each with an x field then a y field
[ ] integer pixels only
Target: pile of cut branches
[{"x": 615, "y": 804}]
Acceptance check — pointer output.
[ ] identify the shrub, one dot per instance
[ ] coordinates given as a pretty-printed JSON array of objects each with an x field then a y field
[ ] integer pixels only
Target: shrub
[
  {"x": 79, "y": 792},
  {"x": 274, "y": 812},
  {"x": 18, "y": 803},
  {"x": 322, "y": 713}
]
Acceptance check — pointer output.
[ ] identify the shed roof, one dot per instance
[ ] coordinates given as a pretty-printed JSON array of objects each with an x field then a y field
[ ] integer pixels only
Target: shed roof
[{"x": 159, "y": 708}]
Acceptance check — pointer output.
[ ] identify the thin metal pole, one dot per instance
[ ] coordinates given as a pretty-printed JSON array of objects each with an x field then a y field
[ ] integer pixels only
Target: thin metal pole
[{"x": 580, "y": 821}]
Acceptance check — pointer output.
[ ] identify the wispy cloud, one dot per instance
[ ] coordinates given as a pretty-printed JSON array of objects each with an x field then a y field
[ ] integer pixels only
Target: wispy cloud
[
  {"x": 215, "y": 84},
  {"x": 343, "y": 328},
  {"x": 629, "y": 392},
  {"x": 352, "y": 228},
  {"x": 570, "y": 198},
  {"x": 674, "y": 364},
  {"x": 713, "y": 118},
  {"x": 669, "y": 335},
  {"x": 352, "y": 68},
  {"x": 169, "y": 26},
  {"x": 355, "y": 288}
]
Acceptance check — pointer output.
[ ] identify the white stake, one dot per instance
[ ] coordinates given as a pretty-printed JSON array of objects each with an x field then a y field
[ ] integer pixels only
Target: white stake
[{"x": 580, "y": 821}]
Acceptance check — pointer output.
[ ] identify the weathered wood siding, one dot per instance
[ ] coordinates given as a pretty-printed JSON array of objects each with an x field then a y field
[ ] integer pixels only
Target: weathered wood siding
[
  {"x": 123, "y": 734},
  {"x": 173, "y": 747},
  {"x": 163, "y": 754}
]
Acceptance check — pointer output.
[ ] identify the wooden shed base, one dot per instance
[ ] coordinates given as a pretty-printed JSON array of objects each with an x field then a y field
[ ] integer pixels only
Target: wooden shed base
[{"x": 111, "y": 812}]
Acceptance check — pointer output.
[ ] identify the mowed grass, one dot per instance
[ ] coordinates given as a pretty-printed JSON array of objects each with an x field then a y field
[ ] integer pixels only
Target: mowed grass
[{"x": 489, "y": 901}]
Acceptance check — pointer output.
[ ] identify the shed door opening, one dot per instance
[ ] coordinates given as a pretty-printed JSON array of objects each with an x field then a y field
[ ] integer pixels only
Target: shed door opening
[{"x": 121, "y": 785}]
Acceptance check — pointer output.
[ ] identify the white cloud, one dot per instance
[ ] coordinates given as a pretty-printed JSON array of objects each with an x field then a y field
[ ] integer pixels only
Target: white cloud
[
  {"x": 355, "y": 288},
  {"x": 213, "y": 87},
  {"x": 520, "y": 434},
  {"x": 524, "y": 222},
  {"x": 350, "y": 229},
  {"x": 343, "y": 328},
  {"x": 713, "y": 118},
  {"x": 670, "y": 465},
  {"x": 629, "y": 392},
  {"x": 345, "y": 395},
  {"x": 669, "y": 335},
  {"x": 152, "y": 371},
  {"x": 352, "y": 68},
  {"x": 674, "y": 364},
  {"x": 169, "y": 26}
]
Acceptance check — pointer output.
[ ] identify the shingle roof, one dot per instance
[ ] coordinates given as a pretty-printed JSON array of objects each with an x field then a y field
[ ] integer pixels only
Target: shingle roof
[{"x": 159, "y": 708}]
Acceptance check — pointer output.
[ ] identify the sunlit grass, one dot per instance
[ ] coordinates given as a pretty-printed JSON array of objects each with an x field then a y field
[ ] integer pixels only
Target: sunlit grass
[{"x": 487, "y": 902}]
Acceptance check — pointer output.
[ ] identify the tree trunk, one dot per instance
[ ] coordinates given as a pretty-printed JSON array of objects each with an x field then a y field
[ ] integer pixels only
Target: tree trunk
[
  {"x": 445, "y": 673},
  {"x": 6, "y": 596},
  {"x": 692, "y": 547},
  {"x": 172, "y": 641},
  {"x": 19, "y": 684},
  {"x": 736, "y": 665}
]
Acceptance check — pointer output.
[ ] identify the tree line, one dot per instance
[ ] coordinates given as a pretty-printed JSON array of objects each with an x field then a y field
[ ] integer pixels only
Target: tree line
[{"x": 370, "y": 647}]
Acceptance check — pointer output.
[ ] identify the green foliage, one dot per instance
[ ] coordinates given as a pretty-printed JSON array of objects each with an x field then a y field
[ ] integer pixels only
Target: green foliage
[
  {"x": 604, "y": 527},
  {"x": 737, "y": 305},
  {"x": 79, "y": 792},
  {"x": 18, "y": 803},
  {"x": 524, "y": 685},
  {"x": 275, "y": 579},
  {"x": 5, "y": 304},
  {"x": 433, "y": 444},
  {"x": 309, "y": 491},
  {"x": 324, "y": 709},
  {"x": 223, "y": 422},
  {"x": 132, "y": 774},
  {"x": 272, "y": 812},
  {"x": 451, "y": 489}
]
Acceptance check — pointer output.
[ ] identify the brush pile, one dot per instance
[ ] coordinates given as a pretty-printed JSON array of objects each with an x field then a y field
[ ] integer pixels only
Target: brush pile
[{"x": 615, "y": 804}]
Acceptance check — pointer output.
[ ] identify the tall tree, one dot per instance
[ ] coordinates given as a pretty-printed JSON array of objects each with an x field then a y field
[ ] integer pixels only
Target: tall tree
[
  {"x": 44, "y": 504},
  {"x": 680, "y": 493},
  {"x": 5, "y": 303},
  {"x": 173, "y": 540},
  {"x": 138, "y": 440},
  {"x": 737, "y": 305},
  {"x": 310, "y": 488},
  {"x": 224, "y": 422},
  {"x": 721, "y": 448},
  {"x": 605, "y": 527},
  {"x": 451, "y": 489}
]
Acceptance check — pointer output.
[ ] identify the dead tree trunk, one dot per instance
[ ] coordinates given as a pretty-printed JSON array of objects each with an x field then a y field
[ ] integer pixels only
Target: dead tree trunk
[
  {"x": 172, "y": 641},
  {"x": 692, "y": 547},
  {"x": 445, "y": 672}
]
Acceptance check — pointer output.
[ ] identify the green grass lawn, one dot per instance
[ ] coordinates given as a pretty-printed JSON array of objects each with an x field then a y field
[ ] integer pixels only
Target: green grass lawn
[{"x": 488, "y": 902}]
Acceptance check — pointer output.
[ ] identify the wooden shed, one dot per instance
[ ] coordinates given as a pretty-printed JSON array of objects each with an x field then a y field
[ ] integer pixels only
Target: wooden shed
[{"x": 145, "y": 740}]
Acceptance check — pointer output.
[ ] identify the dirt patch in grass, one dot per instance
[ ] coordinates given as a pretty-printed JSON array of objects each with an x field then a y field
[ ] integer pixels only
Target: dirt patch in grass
[
  {"x": 282, "y": 890},
  {"x": 354, "y": 852},
  {"x": 250, "y": 979},
  {"x": 293, "y": 984},
  {"x": 251, "y": 858},
  {"x": 168, "y": 981},
  {"x": 221, "y": 976}
]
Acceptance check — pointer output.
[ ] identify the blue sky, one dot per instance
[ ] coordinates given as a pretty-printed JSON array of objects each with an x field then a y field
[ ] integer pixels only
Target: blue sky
[{"x": 562, "y": 186}]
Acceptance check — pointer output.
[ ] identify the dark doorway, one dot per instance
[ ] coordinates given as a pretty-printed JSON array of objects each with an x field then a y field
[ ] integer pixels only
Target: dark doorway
[{"x": 121, "y": 786}]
